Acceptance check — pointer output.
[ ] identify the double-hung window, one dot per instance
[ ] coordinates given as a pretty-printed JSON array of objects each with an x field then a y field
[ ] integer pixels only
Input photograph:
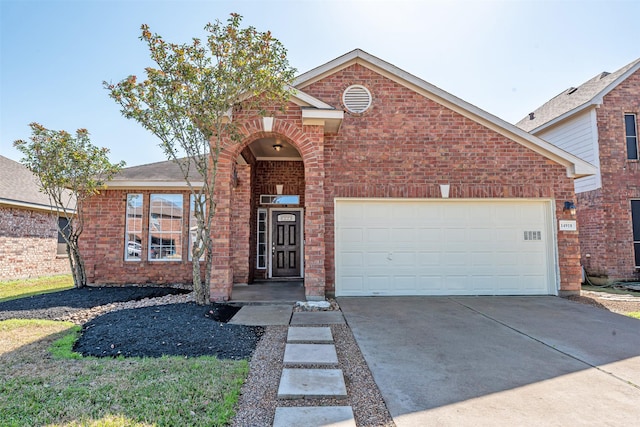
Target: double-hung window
[
  {"x": 635, "y": 219},
  {"x": 631, "y": 134},
  {"x": 133, "y": 232},
  {"x": 165, "y": 227}
]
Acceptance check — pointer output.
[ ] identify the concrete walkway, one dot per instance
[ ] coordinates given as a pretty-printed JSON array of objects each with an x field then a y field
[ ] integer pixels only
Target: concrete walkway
[
  {"x": 499, "y": 361},
  {"x": 310, "y": 365}
]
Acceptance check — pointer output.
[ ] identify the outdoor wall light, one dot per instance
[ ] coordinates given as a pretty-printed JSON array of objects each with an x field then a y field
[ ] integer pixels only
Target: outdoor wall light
[
  {"x": 569, "y": 207},
  {"x": 277, "y": 147}
]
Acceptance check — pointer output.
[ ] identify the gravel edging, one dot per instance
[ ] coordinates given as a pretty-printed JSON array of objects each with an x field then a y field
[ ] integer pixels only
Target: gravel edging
[{"x": 258, "y": 399}]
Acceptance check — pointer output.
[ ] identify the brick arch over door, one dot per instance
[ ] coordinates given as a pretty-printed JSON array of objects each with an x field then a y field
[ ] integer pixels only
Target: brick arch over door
[{"x": 309, "y": 141}]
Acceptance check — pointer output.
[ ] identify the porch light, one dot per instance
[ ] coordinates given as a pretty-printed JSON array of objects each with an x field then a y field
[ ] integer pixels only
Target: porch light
[
  {"x": 570, "y": 207},
  {"x": 277, "y": 147}
]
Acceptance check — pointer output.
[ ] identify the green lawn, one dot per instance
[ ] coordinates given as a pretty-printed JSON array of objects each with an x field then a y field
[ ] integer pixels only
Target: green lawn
[
  {"x": 40, "y": 388},
  {"x": 25, "y": 287}
]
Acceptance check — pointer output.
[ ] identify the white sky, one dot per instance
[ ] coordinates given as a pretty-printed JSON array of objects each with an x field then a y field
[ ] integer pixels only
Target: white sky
[{"x": 506, "y": 57}]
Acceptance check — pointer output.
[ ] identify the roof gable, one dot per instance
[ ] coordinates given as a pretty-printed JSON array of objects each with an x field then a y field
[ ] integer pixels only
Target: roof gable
[
  {"x": 575, "y": 100},
  {"x": 576, "y": 167}
]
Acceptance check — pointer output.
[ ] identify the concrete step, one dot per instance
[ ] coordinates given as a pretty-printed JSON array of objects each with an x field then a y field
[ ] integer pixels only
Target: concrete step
[
  {"x": 306, "y": 334},
  {"x": 312, "y": 383},
  {"x": 263, "y": 315},
  {"x": 317, "y": 318},
  {"x": 310, "y": 354},
  {"x": 315, "y": 416}
]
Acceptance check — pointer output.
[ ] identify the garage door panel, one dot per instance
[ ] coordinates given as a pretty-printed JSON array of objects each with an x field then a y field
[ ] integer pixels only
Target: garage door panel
[
  {"x": 375, "y": 235},
  {"x": 352, "y": 259},
  {"x": 428, "y": 258},
  {"x": 443, "y": 247}
]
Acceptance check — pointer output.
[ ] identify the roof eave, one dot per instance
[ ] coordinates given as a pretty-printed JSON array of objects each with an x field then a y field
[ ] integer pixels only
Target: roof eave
[
  {"x": 595, "y": 101},
  {"x": 152, "y": 185}
]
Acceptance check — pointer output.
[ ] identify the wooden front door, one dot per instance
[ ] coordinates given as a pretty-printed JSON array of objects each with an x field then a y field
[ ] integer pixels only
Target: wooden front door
[{"x": 285, "y": 244}]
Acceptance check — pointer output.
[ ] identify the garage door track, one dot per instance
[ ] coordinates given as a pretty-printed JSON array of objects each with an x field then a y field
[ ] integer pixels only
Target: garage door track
[{"x": 499, "y": 360}]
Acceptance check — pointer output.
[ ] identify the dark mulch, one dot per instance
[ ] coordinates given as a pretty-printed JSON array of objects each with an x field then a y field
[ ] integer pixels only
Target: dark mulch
[
  {"x": 173, "y": 329},
  {"x": 58, "y": 304}
]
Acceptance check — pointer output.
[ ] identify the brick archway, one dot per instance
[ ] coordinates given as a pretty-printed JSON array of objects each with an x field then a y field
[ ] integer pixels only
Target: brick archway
[{"x": 309, "y": 141}]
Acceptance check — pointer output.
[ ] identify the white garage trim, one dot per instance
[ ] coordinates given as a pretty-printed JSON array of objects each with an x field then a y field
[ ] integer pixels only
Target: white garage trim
[{"x": 445, "y": 247}]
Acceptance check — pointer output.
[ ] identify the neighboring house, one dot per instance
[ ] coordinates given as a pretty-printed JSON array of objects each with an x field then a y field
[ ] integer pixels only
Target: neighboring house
[
  {"x": 598, "y": 121},
  {"x": 373, "y": 182},
  {"x": 29, "y": 242}
]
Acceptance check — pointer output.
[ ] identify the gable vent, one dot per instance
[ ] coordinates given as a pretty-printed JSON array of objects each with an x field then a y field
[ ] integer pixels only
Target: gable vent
[{"x": 356, "y": 98}]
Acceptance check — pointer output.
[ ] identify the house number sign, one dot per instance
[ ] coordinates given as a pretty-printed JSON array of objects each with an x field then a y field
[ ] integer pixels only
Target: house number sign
[
  {"x": 568, "y": 225},
  {"x": 286, "y": 218}
]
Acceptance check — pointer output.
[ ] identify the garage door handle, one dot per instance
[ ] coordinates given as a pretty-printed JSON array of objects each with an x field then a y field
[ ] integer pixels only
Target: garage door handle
[{"x": 390, "y": 256}]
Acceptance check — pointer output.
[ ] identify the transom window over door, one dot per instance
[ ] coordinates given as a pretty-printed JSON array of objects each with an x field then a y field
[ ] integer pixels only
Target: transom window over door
[
  {"x": 631, "y": 134},
  {"x": 165, "y": 227}
]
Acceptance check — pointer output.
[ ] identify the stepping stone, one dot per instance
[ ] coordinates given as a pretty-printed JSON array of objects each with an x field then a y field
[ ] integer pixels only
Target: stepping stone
[
  {"x": 319, "y": 335},
  {"x": 312, "y": 383},
  {"x": 317, "y": 318},
  {"x": 310, "y": 354},
  {"x": 263, "y": 315},
  {"x": 314, "y": 416}
]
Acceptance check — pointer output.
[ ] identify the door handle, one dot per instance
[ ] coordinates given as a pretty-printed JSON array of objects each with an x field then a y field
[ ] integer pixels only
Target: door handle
[{"x": 273, "y": 249}]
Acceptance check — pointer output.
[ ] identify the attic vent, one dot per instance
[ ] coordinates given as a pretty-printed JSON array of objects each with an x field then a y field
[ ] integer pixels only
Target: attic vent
[
  {"x": 532, "y": 116},
  {"x": 356, "y": 98},
  {"x": 571, "y": 90},
  {"x": 603, "y": 75}
]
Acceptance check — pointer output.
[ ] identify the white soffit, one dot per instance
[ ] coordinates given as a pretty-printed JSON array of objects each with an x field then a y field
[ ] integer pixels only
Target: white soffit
[{"x": 576, "y": 167}]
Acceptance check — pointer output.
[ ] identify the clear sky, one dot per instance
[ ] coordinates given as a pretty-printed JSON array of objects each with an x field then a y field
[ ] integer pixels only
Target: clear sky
[{"x": 506, "y": 57}]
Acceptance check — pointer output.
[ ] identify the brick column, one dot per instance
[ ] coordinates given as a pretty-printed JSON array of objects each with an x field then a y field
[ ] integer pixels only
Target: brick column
[{"x": 221, "y": 269}]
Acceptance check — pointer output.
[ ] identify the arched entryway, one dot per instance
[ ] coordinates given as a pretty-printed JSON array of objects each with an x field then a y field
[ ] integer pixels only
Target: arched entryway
[{"x": 269, "y": 221}]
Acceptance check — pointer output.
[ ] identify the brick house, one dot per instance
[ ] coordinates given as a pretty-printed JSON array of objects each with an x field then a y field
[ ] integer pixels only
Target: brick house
[
  {"x": 29, "y": 241},
  {"x": 373, "y": 182},
  {"x": 598, "y": 121}
]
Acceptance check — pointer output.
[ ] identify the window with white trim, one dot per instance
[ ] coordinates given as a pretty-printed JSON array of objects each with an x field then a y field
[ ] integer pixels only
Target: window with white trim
[
  {"x": 261, "y": 262},
  {"x": 631, "y": 136},
  {"x": 133, "y": 228},
  {"x": 165, "y": 227},
  {"x": 63, "y": 228},
  {"x": 193, "y": 223},
  {"x": 635, "y": 220}
]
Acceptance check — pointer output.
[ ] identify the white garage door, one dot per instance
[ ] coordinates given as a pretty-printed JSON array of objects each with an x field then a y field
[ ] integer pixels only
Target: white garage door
[{"x": 438, "y": 247}]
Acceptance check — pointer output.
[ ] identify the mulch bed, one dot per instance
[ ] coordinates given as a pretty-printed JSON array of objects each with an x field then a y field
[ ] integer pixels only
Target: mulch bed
[
  {"x": 184, "y": 329},
  {"x": 58, "y": 304}
]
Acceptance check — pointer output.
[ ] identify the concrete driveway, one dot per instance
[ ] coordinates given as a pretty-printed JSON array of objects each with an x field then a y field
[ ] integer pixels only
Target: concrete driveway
[{"x": 499, "y": 360}]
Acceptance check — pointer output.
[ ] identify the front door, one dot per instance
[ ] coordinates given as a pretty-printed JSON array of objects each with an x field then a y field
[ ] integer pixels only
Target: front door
[{"x": 285, "y": 244}]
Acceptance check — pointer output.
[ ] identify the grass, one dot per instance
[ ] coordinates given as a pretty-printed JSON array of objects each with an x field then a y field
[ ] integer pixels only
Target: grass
[
  {"x": 26, "y": 287},
  {"x": 634, "y": 314},
  {"x": 45, "y": 383}
]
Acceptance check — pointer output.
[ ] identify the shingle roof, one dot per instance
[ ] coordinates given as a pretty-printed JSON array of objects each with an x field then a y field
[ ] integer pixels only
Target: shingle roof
[
  {"x": 19, "y": 186},
  {"x": 159, "y": 172},
  {"x": 574, "y": 98}
]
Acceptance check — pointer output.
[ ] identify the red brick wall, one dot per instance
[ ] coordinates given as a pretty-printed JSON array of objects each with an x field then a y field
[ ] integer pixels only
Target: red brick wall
[
  {"x": 103, "y": 243},
  {"x": 29, "y": 244},
  {"x": 406, "y": 145},
  {"x": 240, "y": 224},
  {"x": 605, "y": 215}
]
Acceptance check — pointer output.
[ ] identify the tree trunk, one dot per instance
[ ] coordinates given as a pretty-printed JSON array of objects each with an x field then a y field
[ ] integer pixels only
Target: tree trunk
[
  {"x": 77, "y": 263},
  {"x": 200, "y": 292}
]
